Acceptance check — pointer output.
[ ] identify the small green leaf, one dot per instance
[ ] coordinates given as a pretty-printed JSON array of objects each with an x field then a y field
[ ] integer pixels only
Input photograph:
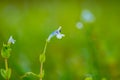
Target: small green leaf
[
  {"x": 3, "y": 73},
  {"x": 5, "y": 52},
  {"x": 6, "y": 74},
  {"x": 9, "y": 73},
  {"x": 42, "y": 58}
]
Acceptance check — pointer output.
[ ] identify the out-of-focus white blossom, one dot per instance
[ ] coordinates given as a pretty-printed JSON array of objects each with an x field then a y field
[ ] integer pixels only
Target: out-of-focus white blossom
[
  {"x": 87, "y": 16},
  {"x": 79, "y": 25}
]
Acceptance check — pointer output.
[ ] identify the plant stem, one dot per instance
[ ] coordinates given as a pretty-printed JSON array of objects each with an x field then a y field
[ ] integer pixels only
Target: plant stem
[
  {"x": 45, "y": 47},
  {"x": 41, "y": 71},
  {"x": 6, "y": 66},
  {"x": 41, "y": 64}
]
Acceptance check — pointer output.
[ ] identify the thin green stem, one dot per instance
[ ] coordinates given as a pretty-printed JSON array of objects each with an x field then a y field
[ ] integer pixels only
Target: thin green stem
[
  {"x": 6, "y": 66},
  {"x": 41, "y": 64},
  {"x": 41, "y": 70},
  {"x": 45, "y": 47}
]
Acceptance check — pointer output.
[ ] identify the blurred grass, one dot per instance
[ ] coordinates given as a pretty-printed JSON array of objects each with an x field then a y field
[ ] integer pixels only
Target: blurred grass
[{"x": 93, "y": 50}]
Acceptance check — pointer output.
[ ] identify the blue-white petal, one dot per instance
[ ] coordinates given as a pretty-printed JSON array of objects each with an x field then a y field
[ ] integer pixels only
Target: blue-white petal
[{"x": 11, "y": 40}]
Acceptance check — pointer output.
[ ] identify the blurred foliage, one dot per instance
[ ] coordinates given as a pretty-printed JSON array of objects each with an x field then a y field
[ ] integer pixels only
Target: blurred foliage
[{"x": 92, "y": 50}]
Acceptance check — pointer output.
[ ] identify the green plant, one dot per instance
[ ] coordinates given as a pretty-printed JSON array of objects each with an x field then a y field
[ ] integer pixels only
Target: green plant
[
  {"x": 42, "y": 56},
  {"x": 5, "y": 52}
]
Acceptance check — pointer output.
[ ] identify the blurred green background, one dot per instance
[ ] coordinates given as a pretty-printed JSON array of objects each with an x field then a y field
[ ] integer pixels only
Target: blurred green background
[{"x": 92, "y": 50}]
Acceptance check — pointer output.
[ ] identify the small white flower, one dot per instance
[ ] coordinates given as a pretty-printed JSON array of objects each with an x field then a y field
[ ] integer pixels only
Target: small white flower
[
  {"x": 87, "y": 16},
  {"x": 56, "y": 33},
  {"x": 79, "y": 25},
  {"x": 59, "y": 36},
  {"x": 11, "y": 40}
]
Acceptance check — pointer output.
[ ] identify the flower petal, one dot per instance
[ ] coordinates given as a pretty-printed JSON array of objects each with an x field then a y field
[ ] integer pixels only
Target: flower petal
[
  {"x": 59, "y": 36},
  {"x": 11, "y": 40}
]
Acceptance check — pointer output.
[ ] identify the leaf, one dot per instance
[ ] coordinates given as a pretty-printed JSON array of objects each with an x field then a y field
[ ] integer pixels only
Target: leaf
[
  {"x": 9, "y": 73},
  {"x": 42, "y": 58},
  {"x": 5, "y": 52},
  {"x": 6, "y": 74},
  {"x": 3, "y": 73}
]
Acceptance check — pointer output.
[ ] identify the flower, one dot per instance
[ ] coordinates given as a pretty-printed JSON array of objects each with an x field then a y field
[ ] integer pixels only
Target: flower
[
  {"x": 87, "y": 16},
  {"x": 79, "y": 25},
  {"x": 56, "y": 33},
  {"x": 11, "y": 40}
]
